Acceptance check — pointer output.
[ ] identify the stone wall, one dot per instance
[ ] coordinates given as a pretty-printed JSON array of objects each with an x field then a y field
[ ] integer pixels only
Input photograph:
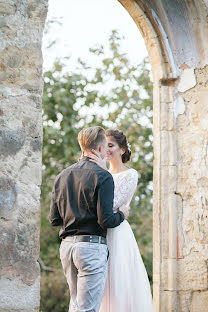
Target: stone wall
[
  {"x": 192, "y": 187},
  {"x": 183, "y": 224},
  {"x": 21, "y": 28},
  {"x": 174, "y": 33}
]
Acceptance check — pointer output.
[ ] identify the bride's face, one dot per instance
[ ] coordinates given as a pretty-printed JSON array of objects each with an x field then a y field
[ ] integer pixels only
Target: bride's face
[{"x": 114, "y": 151}]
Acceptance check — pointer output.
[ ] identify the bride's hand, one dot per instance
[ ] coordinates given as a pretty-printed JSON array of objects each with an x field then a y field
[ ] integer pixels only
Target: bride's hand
[
  {"x": 125, "y": 210},
  {"x": 95, "y": 157}
]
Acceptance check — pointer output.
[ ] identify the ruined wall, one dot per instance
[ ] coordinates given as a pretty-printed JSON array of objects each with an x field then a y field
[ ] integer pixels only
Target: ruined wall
[
  {"x": 181, "y": 146},
  {"x": 192, "y": 189},
  {"x": 21, "y": 27},
  {"x": 174, "y": 33},
  {"x": 183, "y": 215}
]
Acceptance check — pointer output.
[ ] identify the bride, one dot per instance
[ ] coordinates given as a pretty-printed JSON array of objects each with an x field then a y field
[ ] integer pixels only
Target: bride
[{"x": 127, "y": 287}]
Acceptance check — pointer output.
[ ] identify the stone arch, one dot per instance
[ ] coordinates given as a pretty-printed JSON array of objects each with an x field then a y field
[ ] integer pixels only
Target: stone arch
[
  {"x": 174, "y": 32},
  {"x": 165, "y": 75}
]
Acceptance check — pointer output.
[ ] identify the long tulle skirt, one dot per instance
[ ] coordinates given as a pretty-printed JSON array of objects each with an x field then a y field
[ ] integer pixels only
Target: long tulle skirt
[{"x": 127, "y": 286}]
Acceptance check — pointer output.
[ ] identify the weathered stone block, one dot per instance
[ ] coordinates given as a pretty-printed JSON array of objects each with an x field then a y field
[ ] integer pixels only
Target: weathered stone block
[
  {"x": 17, "y": 296},
  {"x": 11, "y": 141},
  {"x": 187, "y": 274},
  {"x": 168, "y": 151},
  {"x": 192, "y": 273},
  {"x": 184, "y": 301},
  {"x": 8, "y": 195},
  {"x": 199, "y": 301},
  {"x": 168, "y": 182},
  {"x": 168, "y": 301},
  {"x": 187, "y": 80},
  {"x": 21, "y": 248},
  {"x": 167, "y": 117},
  {"x": 21, "y": 27},
  {"x": 7, "y": 7},
  {"x": 179, "y": 106}
]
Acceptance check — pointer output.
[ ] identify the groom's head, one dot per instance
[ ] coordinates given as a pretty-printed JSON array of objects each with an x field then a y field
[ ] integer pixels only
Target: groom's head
[{"x": 93, "y": 138}]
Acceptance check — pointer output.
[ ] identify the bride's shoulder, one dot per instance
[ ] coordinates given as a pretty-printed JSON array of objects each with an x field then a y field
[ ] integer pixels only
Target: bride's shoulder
[
  {"x": 129, "y": 179},
  {"x": 132, "y": 172}
]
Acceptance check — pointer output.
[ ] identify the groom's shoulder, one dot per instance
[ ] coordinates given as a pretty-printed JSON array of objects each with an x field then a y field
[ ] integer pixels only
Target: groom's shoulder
[
  {"x": 66, "y": 171},
  {"x": 90, "y": 168},
  {"x": 103, "y": 172},
  {"x": 94, "y": 170},
  {"x": 103, "y": 175}
]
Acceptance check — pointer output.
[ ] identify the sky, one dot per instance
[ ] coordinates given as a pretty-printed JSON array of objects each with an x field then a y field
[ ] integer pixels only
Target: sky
[{"x": 83, "y": 23}]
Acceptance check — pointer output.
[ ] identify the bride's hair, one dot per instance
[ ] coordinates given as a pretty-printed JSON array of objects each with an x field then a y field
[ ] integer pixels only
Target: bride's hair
[{"x": 121, "y": 140}]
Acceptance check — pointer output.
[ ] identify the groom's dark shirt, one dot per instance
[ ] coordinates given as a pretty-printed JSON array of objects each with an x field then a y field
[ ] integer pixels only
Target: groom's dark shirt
[{"x": 82, "y": 200}]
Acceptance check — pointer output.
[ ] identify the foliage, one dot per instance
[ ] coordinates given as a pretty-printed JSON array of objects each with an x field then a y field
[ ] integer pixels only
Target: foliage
[
  {"x": 54, "y": 292},
  {"x": 115, "y": 94}
]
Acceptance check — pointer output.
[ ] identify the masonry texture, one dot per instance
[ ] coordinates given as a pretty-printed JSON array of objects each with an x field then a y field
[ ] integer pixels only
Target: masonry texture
[
  {"x": 175, "y": 33},
  {"x": 21, "y": 84}
]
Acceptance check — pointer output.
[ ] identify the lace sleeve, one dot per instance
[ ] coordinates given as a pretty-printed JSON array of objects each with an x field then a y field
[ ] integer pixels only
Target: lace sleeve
[{"x": 125, "y": 189}]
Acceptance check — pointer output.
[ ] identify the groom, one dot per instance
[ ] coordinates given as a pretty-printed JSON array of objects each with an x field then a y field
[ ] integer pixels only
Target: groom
[{"x": 82, "y": 204}]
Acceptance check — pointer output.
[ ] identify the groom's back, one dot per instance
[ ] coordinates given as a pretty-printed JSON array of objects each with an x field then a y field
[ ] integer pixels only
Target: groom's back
[{"x": 76, "y": 199}]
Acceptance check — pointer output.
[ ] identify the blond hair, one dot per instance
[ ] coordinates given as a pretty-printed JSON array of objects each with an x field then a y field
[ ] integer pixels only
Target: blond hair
[{"x": 90, "y": 137}]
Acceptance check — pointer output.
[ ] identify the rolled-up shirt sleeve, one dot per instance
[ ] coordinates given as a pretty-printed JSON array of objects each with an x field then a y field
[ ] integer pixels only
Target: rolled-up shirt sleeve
[
  {"x": 54, "y": 216},
  {"x": 106, "y": 217}
]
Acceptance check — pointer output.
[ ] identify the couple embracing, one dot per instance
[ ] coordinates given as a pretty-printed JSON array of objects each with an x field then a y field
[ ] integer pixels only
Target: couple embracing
[{"x": 98, "y": 251}]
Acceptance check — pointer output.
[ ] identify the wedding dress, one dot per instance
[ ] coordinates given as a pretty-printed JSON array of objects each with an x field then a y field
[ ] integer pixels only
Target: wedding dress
[{"x": 127, "y": 287}]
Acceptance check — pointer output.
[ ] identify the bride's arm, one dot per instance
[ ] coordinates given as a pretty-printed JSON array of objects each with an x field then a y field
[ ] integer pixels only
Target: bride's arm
[
  {"x": 125, "y": 190},
  {"x": 125, "y": 209}
]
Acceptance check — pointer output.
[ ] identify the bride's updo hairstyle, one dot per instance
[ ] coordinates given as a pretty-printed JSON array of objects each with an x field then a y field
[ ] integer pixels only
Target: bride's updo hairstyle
[{"x": 121, "y": 140}]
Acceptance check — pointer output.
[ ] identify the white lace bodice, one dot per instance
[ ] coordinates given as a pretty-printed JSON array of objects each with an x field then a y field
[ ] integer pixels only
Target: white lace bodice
[{"x": 125, "y": 186}]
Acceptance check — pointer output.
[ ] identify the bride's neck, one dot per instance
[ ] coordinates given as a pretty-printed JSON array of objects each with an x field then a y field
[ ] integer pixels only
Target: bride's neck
[{"x": 116, "y": 166}]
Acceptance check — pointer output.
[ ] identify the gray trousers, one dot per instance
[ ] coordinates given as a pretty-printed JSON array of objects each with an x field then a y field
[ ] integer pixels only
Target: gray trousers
[{"x": 85, "y": 268}]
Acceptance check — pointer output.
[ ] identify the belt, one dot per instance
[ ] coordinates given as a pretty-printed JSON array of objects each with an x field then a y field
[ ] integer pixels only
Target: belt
[{"x": 86, "y": 238}]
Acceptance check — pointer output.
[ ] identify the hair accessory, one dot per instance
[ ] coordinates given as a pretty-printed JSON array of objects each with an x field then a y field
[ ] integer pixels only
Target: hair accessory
[{"x": 129, "y": 146}]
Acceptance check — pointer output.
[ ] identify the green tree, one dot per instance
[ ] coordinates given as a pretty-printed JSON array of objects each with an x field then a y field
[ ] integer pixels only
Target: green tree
[{"x": 115, "y": 94}]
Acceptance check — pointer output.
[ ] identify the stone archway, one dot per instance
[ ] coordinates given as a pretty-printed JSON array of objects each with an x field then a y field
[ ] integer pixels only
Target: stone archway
[
  {"x": 174, "y": 33},
  {"x": 164, "y": 80}
]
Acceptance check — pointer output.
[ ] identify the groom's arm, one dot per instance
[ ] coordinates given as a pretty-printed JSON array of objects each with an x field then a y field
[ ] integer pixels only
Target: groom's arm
[
  {"x": 106, "y": 217},
  {"x": 54, "y": 216}
]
